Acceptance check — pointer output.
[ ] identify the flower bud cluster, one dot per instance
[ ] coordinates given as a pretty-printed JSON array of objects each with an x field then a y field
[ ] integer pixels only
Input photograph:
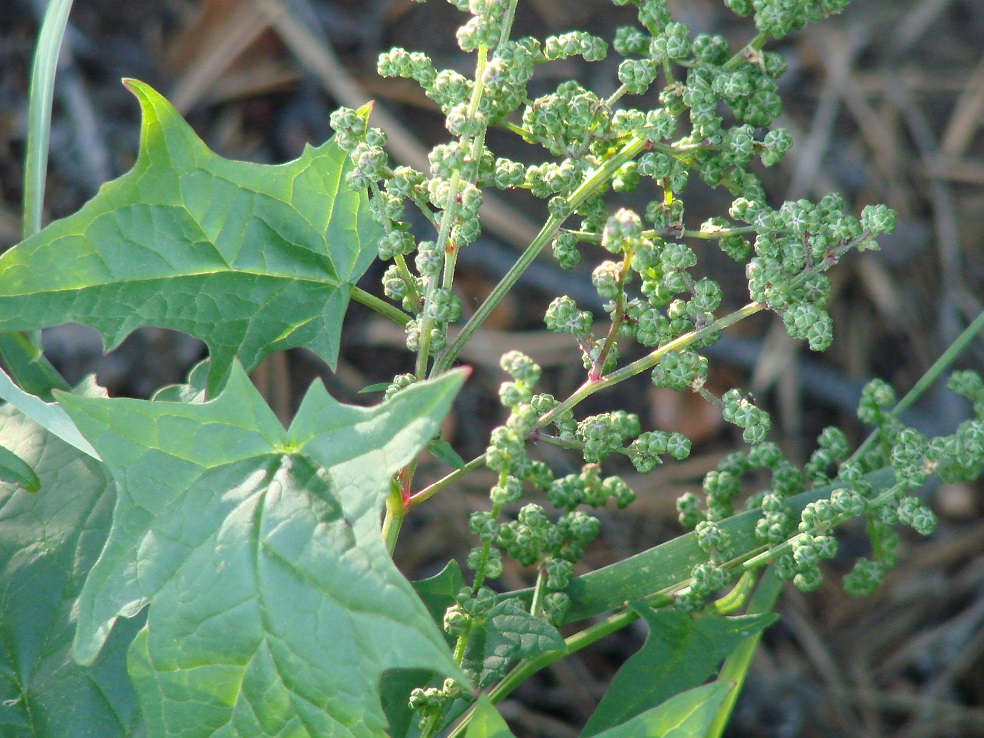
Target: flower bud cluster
[
  {"x": 603, "y": 434},
  {"x": 740, "y": 411},
  {"x": 646, "y": 450},
  {"x": 588, "y": 488},
  {"x": 912, "y": 457},
  {"x": 564, "y": 316},
  {"x": 960, "y": 457},
  {"x": 680, "y": 370},
  {"x": 794, "y": 247},
  {"x": 779, "y": 17},
  {"x": 566, "y": 120},
  {"x": 507, "y": 450},
  {"x": 832, "y": 448},
  {"x": 430, "y": 702},
  {"x": 533, "y": 538}
]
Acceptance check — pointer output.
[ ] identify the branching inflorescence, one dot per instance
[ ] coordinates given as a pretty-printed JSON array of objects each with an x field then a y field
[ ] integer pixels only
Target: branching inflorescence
[{"x": 715, "y": 106}]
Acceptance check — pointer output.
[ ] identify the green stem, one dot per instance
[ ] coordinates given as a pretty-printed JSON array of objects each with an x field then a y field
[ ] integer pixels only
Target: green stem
[
  {"x": 589, "y": 187},
  {"x": 647, "y": 362},
  {"x": 723, "y": 233},
  {"x": 735, "y": 667},
  {"x": 618, "y": 317},
  {"x": 672, "y": 233},
  {"x": 616, "y": 96},
  {"x": 518, "y": 130},
  {"x": 427, "y": 492},
  {"x": 380, "y": 306},
  {"x": 447, "y": 218},
  {"x": 928, "y": 379},
  {"x": 755, "y": 44},
  {"x": 393, "y": 519},
  {"x": 539, "y": 591}
]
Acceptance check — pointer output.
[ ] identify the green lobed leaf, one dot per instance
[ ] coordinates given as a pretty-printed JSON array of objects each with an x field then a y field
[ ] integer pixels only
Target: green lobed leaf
[
  {"x": 249, "y": 258},
  {"x": 687, "y": 715},
  {"x": 680, "y": 653},
  {"x": 192, "y": 390},
  {"x": 48, "y": 542},
  {"x": 509, "y": 633},
  {"x": 438, "y": 594},
  {"x": 486, "y": 722},
  {"x": 274, "y": 607}
]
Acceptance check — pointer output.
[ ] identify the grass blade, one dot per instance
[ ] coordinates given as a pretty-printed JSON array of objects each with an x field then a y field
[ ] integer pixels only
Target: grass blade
[{"x": 39, "y": 111}]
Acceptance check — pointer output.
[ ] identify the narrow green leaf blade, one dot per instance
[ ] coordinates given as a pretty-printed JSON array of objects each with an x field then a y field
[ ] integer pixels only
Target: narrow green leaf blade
[
  {"x": 686, "y": 715},
  {"x": 39, "y": 111},
  {"x": 486, "y": 722},
  {"x": 249, "y": 258},
  {"x": 274, "y": 607},
  {"x": 668, "y": 566},
  {"x": 48, "y": 542},
  {"x": 29, "y": 367},
  {"x": 378, "y": 387},
  {"x": 680, "y": 653},
  {"x": 443, "y": 451},
  {"x": 48, "y": 415},
  {"x": 15, "y": 470}
]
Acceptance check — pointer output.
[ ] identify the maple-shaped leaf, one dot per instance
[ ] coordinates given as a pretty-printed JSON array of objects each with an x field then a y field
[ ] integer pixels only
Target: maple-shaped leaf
[
  {"x": 250, "y": 258},
  {"x": 274, "y": 607},
  {"x": 48, "y": 542}
]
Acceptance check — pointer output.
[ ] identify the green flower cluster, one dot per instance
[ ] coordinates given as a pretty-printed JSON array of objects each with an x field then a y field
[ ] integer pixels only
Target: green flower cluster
[
  {"x": 794, "y": 247},
  {"x": 713, "y": 109},
  {"x": 646, "y": 450},
  {"x": 600, "y": 435},
  {"x": 911, "y": 456},
  {"x": 707, "y": 576},
  {"x": 780, "y": 17},
  {"x": 738, "y": 409},
  {"x": 534, "y": 538}
]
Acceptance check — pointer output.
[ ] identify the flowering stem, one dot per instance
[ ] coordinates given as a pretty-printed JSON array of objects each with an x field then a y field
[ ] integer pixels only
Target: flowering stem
[
  {"x": 590, "y": 186},
  {"x": 618, "y": 317},
  {"x": 647, "y": 362},
  {"x": 448, "y": 216},
  {"x": 755, "y": 44},
  {"x": 928, "y": 379}
]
